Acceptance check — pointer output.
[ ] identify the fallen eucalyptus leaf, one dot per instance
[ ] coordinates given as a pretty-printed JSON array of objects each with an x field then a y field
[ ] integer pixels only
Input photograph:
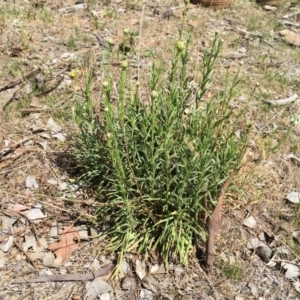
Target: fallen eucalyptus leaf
[
  {"x": 157, "y": 269},
  {"x": 60, "y": 136},
  {"x": 7, "y": 221},
  {"x": 52, "y": 181},
  {"x": 35, "y": 214},
  {"x": 254, "y": 289},
  {"x": 254, "y": 243},
  {"x": 105, "y": 296},
  {"x": 140, "y": 269},
  {"x": 291, "y": 270},
  {"x": 272, "y": 264},
  {"x": 269, "y": 8},
  {"x": 7, "y": 244},
  {"x": 296, "y": 236},
  {"x": 45, "y": 135},
  {"x": 150, "y": 284},
  {"x": 2, "y": 262},
  {"x": 35, "y": 103},
  {"x": 250, "y": 222},
  {"x": 97, "y": 288},
  {"x": 54, "y": 230},
  {"x": 51, "y": 124},
  {"x": 293, "y": 197},
  {"x": 68, "y": 243},
  {"x": 33, "y": 255},
  {"x": 281, "y": 102},
  {"x": 43, "y": 144},
  {"x": 290, "y": 156},
  {"x": 125, "y": 269},
  {"x": 281, "y": 231},
  {"x": 283, "y": 250},
  {"x": 49, "y": 260},
  {"x": 63, "y": 186},
  {"x": 83, "y": 232},
  {"x": 291, "y": 37},
  {"x": 296, "y": 286},
  {"x": 6, "y": 238},
  {"x": 30, "y": 242},
  {"x": 31, "y": 182}
]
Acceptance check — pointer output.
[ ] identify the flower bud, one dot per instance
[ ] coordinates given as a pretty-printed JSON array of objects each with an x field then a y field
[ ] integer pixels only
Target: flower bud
[
  {"x": 154, "y": 94},
  {"x": 124, "y": 64},
  {"x": 105, "y": 84},
  {"x": 110, "y": 42},
  {"x": 180, "y": 46}
]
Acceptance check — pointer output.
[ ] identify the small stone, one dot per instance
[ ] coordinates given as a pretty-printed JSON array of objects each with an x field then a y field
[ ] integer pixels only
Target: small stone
[
  {"x": 146, "y": 295},
  {"x": 52, "y": 181},
  {"x": 264, "y": 252},
  {"x": 129, "y": 283}
]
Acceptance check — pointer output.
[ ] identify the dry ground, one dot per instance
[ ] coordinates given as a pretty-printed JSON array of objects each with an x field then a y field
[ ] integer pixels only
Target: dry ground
[{"x": 51, "y": 49}]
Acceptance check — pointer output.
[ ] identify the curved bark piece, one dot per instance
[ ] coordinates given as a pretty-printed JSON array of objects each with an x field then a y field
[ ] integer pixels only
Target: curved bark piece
[{"x": 213, "y": 224}]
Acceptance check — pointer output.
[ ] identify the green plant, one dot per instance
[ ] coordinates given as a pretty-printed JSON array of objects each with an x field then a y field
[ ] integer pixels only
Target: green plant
[
  {"x": 234, "y": 271},
  {"x": 71, "y": 43},
  {"x": 95, "y": 22},
  {"x": 15, "y": 69},
  {"x": 45, "y": 15},
  {"x": 154, "y": 167},
  {"x": 128, "y": 43}
]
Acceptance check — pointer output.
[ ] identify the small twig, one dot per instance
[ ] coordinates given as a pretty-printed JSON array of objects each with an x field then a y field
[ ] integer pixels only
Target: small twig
[
  {"x": 25, "y": 296},
  {"x": 36, "y": 110},
  {"x": 67, "y": 68},
  {"x": 286, "y": 22},
  {"x": 21, "y": 249},
  {"x": 8, "y": 99},
  {"x": 17, "y": 214},
  {"x": 255, "y": 35},
  {"x": 9, "y": 160},
  {"x": 14, "y": 147},
  {"x": 52, "y": 88},
  {"x": 213, "y": 224},
  {"x": 19, "y": 80},
  {"x": 35, "y": 233},
  {"x": 68, "y": 277},
  {"x": 281, "y": 102}
]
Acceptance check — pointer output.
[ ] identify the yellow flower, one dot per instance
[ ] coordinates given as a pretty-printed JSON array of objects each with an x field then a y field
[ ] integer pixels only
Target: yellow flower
[{"x": 73, "y": 74}]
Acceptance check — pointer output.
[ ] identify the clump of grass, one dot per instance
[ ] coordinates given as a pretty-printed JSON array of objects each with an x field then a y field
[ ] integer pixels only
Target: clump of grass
[
  {"x": 71, "y": 43},
  {"x": 234, "y": 271},
  {"x": 157, "y": 171}
]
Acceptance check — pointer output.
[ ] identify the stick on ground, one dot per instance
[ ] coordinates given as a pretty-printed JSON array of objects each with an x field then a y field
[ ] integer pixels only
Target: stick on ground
[{"x": 68, "y": 277}]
